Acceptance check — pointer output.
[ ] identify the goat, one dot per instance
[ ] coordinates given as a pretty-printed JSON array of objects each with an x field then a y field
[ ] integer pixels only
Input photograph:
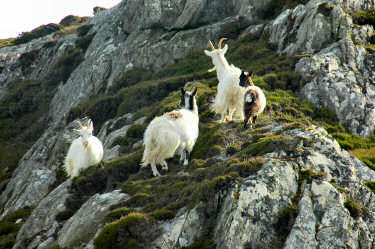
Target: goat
[
  {"x": 175, "y": 131},
  {"x": 254, "y": 99},
  {"x": 84, "y": 151},
  {"x": 229, "y": 93}
]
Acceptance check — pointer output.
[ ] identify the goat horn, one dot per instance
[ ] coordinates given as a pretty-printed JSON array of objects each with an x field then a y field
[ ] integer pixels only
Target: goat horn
[
  {"x": 221, "y": 40},
  {"x": 80, "y": 124},
  {"x": 88, "y": 123},
  {"x": 212, "y": 69},
  {"x": 212, "y": 46}
]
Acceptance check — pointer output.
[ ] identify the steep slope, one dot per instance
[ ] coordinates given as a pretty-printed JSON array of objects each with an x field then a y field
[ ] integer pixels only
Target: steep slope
[{"x": 283, "y": 184}]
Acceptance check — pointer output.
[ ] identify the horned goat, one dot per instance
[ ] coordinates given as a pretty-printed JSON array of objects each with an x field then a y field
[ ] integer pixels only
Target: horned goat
[
  {"x": 84, "y": 151},
  {"x": 229, "y": 93},
  {"x": 175, "y": 131}
]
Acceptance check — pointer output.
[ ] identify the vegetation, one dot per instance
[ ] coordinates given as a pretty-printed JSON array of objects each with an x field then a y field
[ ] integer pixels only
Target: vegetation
[
  {"x": 68, "y": 25},
  {"x": 356, "y": 210},
  {"x": 364, "y": 17},
  {"x": 9, "y": 228},
  {"x": 274, "y": 7},
  {"x": 151, "y": 93}
]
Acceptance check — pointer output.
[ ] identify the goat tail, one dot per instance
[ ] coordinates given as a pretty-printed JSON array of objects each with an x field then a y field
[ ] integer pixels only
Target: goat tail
[{"x": 160, "y": 142}]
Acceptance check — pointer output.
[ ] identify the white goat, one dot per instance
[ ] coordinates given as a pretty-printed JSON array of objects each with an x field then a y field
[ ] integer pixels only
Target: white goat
[
  {"x": 84, "y": 151},
  {"x": 229, "y": 93},
  {"x": 175, "y": 131}
]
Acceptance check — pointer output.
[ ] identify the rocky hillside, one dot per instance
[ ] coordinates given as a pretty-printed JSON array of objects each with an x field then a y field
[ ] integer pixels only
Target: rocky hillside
[{"x": 304, "y": 176}]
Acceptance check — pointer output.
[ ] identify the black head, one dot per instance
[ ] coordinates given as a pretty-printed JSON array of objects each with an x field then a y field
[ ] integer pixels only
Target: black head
[
  {"x": 244, "y": 79},
  {"x": 188, "y": 99}
]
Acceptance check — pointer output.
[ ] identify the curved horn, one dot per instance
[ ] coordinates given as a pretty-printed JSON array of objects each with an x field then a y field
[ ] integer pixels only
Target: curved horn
[
  {"x": 221, "y": 40},
  {"x": 212, "y": 46},
  {"x": 88, "y": 123},
  {"x": 80, "y": 124}
]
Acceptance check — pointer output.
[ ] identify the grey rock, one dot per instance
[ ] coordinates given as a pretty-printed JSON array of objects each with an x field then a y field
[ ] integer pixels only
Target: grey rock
[
  {"x": 181, "y": 231},
  {"x": 83, "y": 225},
  {"x": 339, "y": 75},
  {"x": 43, "y": 216}
]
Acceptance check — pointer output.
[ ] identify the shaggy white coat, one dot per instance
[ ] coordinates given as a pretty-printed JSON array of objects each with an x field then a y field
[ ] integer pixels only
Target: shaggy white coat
[
  {"x": 167, "y": 135},
  {"x": 229, "y": 93},
  {"x": 79, "y": 157}
]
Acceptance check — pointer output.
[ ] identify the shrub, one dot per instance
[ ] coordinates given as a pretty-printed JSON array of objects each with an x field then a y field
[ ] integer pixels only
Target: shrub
[
  {"x": 124, "y": 232},
  {"x": 39, "y": 32},
  {"x": 64, "y": 215}
]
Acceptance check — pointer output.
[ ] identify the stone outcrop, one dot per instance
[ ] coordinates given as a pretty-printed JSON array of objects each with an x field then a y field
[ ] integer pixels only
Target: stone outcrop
[{"x": 338, "y": 71}]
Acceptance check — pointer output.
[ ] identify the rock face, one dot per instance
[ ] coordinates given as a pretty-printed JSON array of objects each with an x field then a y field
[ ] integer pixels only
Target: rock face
[
  {"x": 83, "y": 225},
  {"x": 322, "y": 220},
  {"x": 43, "y": 219},
  {"x": 338, "y": 74}
]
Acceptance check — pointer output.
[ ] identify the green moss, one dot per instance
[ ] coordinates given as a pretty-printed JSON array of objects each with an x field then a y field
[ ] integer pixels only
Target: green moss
[
  {"x": 64, "y": 215},
  {"x": 371, "y": 185},
  {"x": 7, "y": 42},
  {"x": 309, "y": 175},
  {"x": 356, "y": 210},
  {"x": 341, "y": 189},
  {"x": 299, "y": 56}
]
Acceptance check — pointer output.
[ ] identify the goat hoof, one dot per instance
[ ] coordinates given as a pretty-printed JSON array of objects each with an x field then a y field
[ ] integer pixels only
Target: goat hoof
[{"x": 157, "y": 174}]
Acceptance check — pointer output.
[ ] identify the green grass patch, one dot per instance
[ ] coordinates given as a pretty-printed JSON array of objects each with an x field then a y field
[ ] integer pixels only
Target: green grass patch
[
  {"x": 356, "y": 210},
  {"x": 126, "y": 232}
]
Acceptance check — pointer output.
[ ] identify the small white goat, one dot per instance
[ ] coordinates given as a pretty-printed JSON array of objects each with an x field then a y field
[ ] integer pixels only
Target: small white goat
[
  {"x": 175, "y": 131},
  {"x": 229, "y": 93},
  {"x": 84, "y": 151}
]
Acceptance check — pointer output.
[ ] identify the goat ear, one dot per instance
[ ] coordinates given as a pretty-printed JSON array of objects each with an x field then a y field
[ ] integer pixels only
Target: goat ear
[
  {"x": 208, "y": 53},
  {"x": 195, "y": 91},
  {"x": 225, "y": 48},
  {"x": 77, "y": 131},
  {"x": 182, "y": 91},
  {"x": 90, "y": 125}
]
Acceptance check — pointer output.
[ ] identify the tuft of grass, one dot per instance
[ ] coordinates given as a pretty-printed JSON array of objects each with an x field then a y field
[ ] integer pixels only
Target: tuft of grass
[
  {"x": 117, "y": 213},
  {"x": 371, "y": 185},
  {"x": 163, "y": 214},
  {"x": 123, "y": 233},
  {"x": 356, "y": 210}
]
